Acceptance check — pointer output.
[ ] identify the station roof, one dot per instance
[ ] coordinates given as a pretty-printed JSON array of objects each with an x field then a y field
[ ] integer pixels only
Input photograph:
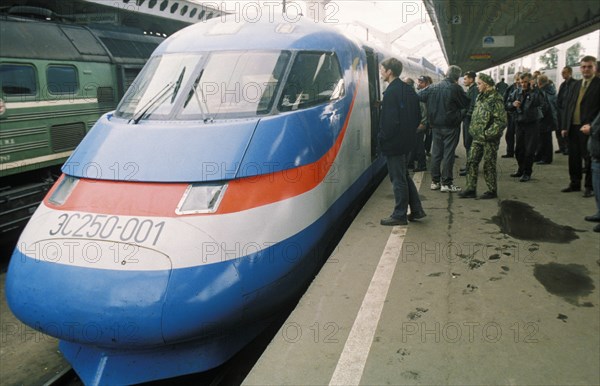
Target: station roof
[
  {"x": 477, "y": 35},
  {"x": 161, "y": 17}
]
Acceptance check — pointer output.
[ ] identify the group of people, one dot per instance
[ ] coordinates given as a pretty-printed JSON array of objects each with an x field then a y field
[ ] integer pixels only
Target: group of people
[{"x": 529, "y": 109}]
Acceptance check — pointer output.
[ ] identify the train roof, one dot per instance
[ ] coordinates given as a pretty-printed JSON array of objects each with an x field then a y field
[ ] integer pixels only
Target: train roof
[
  {"x": 28, "y": 39},
  {"x": 268, "y": 33}
]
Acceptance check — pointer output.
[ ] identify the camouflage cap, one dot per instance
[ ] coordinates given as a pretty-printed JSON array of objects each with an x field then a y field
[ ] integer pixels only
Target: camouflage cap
[{"x": 486, "y": 78}]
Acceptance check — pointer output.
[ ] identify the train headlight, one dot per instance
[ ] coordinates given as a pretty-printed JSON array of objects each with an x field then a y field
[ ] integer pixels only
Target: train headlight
[
  {"x": 63, "y": 190},
  {"x": 201, "y": 198}
]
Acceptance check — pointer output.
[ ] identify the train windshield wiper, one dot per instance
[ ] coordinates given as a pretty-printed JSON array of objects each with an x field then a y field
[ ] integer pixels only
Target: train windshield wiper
[
  {"x": 151, "y": 103},
  {"x": 194, "y": 92},
  {"x": 177, "y": 85},
  {"x": 159, "y": 97}
]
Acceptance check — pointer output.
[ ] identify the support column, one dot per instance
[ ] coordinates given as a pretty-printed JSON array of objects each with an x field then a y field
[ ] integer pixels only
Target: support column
[{"x": 560, "y": 63}]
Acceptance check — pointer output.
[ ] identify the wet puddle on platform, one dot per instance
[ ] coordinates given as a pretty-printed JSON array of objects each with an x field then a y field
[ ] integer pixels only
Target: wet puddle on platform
[
  {"x": 569, "y": 281},
  {"x": 519, "y": 220}
]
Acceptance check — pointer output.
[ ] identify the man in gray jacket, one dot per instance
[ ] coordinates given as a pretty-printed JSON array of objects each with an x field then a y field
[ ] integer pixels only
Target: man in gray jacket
[{"x": 444, "y": 100}]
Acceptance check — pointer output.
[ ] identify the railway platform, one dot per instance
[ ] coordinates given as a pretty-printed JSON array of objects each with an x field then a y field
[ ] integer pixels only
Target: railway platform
[{"x": 480, "y": 292}]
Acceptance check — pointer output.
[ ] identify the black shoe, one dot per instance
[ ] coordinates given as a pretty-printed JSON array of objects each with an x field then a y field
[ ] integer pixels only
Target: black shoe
[
  {"x": 543, "y": 163},
  {"x": 416, "y": 215},
  {"x": 420, "y": 169},
  {"x": 558, "y": 151},
  {"x": 391, "y": 221},
  {"x": 517, "y": 174},
  {"x": 594, "y": 218},
  {"x": 525, "y": 178},
  {"x": 462, "y": 173},
  {"x": 507, "y": 156},
  {"x": 588, "y": 193},
  {"x": 467, "y": 194},
  {"x": 488, "y": 195},
  {"x": 597, "y": 228},
  {"x": 571, "y": 188}
]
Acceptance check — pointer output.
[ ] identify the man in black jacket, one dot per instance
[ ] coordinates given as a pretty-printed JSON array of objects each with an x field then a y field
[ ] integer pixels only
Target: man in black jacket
[
  {"x": 400, "y": 117},
  {"x": 549, "y": 122},
  {"x": 472, "y": 92},
  {"x": 445, "y": 101},
  {"x": 511, "y": 126},
  {"x": 561, "y": 104},
  {"x": 582, "y": 108},
  {"x": 526, "y": 107}
]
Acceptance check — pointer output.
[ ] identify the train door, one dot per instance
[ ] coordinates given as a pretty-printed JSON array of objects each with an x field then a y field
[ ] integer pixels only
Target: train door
[{"x": 373, "y": 72}]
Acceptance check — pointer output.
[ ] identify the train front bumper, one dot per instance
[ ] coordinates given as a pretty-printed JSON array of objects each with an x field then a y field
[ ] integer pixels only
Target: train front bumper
[{"x": 109, "y": 302}]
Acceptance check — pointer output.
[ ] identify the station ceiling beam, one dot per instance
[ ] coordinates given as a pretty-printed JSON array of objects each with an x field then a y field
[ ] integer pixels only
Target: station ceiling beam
[{"x": 477, "y": 35}]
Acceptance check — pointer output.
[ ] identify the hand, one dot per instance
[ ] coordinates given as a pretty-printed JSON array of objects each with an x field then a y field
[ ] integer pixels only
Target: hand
[
  {"x": 517, "y": 104},
  {"x": 585, "y": 129},
  {"x": 564, "y": 133}
]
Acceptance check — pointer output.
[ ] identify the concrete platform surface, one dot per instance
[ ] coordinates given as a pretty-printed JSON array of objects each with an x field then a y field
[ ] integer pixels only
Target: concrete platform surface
[{"x": 480, "y": 292}]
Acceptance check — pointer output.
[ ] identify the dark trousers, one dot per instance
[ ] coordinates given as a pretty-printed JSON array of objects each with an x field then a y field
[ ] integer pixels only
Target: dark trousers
[
  {"x": 445, "y": 140},
  {"x": 405, "y": 191},
  {"x": 527, "y": 137},
  {"x": 578, "y": 155},
  {"x": 510, "y": 135},
  {"x": 563, "y": 142},
  {"x": 467, "y": 138},
  {"x": 418, "y": 153},
  {"x": 545, "y": 152},
  {"x": 428, "y": 140},
  {"x": 596, "y": 182}
]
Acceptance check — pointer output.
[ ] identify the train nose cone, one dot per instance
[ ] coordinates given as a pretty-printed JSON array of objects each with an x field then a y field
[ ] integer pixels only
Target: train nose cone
[{"x": 97, "y": 293}]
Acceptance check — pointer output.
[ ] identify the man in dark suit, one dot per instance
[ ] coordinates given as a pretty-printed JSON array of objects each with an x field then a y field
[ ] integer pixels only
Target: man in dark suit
[
  {"x": 561, "y": 103},
  {"x": 583, "y": 106},
  {"x": 400, "y": 117}
]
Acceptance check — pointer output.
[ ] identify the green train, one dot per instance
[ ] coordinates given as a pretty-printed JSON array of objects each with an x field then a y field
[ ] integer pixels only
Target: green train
[{"x": 56, "y": 80}]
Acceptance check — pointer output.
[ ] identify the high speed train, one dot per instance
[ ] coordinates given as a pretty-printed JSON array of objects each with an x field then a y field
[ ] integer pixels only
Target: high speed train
[{"x": 192, "y": 212}]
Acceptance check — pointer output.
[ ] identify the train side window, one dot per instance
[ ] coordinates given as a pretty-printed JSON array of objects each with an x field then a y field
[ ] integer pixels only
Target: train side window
[
  {"x": 315, "y": 78},
  {"x": 62, "y": 80},
  {"x": 18, "y": 79}
]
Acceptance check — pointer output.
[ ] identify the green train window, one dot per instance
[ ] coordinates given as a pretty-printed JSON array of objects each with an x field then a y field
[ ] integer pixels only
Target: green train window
[
  {"x": 18, "y": 79},
  {"x": 62, "y": 80}
]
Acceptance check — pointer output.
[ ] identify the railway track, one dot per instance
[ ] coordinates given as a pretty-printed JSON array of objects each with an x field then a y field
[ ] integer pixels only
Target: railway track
[{"x": 66, "y": 377}]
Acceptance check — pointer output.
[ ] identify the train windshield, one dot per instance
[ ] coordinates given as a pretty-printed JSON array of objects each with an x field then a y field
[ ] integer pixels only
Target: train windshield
[
  {"x": 235, "y": 85},
  {"x": 153, "y": 94},
  {"x": 205, "y": 86}
]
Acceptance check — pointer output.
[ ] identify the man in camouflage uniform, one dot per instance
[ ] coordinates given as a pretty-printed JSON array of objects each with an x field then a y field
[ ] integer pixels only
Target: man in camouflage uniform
[{"x": 487, "y": 123}]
